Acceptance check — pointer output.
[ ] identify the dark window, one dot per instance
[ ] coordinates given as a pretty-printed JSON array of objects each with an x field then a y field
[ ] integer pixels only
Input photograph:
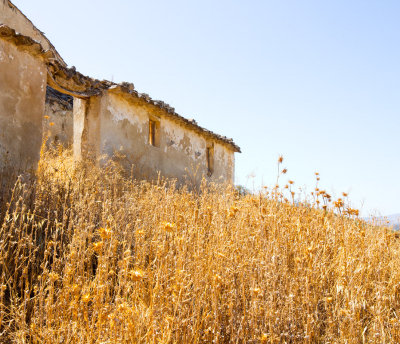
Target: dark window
[
  {"x": 210, "y": 160},
  {"x": 154, "y": 132}
]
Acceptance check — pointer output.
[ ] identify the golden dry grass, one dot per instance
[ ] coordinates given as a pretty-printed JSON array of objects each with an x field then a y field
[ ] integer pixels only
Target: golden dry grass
[{"x": 90, "y": 257}]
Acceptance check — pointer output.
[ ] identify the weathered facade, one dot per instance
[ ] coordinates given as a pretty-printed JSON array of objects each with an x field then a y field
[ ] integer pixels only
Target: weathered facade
[
  {"x": 24, "y": 52},
  {"x": 23, "y": 78},
  {"x": 149, "y": 140},
  {"x": 104, "y": 121}
]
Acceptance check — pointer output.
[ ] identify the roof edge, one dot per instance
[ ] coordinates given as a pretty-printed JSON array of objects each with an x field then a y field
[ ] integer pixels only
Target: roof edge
[
  {"x": 54, "y": 50},
  {"x": 69, "y": 81},
  {"x": 127, "y": 90}
]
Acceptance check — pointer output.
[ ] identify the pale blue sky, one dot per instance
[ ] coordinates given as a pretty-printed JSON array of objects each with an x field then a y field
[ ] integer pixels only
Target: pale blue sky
[{"x": 316, "y": 81}]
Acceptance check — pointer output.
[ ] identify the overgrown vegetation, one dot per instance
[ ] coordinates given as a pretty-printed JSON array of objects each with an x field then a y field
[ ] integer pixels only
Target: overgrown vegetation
[{"x": 90, "y": 257}]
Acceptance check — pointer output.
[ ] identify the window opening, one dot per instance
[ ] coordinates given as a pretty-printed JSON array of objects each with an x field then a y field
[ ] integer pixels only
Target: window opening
[
  {"x": 154, "y": 128},
  {"x": 210, "y": 160}
]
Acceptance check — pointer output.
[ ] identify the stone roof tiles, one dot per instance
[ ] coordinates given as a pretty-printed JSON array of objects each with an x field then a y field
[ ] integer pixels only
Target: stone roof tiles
[
  {"x": 53, "y": 95},
  {"x": 69, "y": 81}
]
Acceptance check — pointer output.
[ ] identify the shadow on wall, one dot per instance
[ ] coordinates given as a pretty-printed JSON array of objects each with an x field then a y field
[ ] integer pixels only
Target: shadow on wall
[
  {"x": 10, "y": 178},
  {"x": 133, "y": 167},
  {"x": 58, "y": 118}
]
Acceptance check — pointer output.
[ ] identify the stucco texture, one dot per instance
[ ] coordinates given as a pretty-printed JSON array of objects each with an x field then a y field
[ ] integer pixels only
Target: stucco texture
[
  {"x": 118, "y": 128},
  {"x": 22, "y": 98}
]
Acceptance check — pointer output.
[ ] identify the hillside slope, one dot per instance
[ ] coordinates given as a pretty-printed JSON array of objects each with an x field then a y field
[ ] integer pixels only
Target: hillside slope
[{"x": 91, "y": 257}]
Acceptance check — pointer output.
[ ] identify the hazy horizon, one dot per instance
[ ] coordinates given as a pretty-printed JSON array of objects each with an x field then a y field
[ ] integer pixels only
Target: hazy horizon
[{"x": 315, "y": 82}]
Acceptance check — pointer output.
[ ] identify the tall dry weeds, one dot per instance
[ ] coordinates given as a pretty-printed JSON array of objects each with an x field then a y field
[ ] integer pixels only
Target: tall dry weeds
[{"x": 90, "y": 257}]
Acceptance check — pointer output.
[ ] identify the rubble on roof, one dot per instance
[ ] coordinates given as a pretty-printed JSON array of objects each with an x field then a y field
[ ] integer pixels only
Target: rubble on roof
[
  {"x": 53, "y": 95},
  {"x": 73, "y": 83},
  {"x": 170, "y": 113},
  {"x": 22, "y": 42}
]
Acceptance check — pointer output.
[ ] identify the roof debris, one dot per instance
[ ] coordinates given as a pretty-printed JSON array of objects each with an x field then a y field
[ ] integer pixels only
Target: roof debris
[{"x": 71, "y": 82}]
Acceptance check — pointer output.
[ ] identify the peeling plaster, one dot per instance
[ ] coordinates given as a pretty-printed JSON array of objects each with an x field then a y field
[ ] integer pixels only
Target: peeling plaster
[
  {"x": 175, "y": 134},
  {"x": 121, "y": 111}
]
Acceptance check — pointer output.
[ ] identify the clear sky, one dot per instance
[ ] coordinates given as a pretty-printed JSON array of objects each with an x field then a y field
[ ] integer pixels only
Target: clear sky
[{"x": 316, "y": 81}]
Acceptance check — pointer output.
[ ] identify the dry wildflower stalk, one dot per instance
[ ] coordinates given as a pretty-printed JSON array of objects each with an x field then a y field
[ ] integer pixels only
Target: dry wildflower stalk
[{"x": 95, "y": 258}]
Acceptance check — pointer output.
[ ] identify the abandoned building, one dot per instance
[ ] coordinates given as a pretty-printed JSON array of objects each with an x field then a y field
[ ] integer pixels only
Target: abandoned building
[{"x": 99, "y": 119}]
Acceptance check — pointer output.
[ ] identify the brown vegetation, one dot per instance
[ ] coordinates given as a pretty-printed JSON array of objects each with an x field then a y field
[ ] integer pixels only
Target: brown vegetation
[{"x": 90, "y": 257}]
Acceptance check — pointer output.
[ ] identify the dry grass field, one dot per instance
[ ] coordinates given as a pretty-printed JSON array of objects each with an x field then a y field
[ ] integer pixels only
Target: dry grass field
[{"x": 88, "y": 256}]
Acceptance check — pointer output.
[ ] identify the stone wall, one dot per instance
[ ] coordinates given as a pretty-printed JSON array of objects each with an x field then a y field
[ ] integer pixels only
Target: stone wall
[{"x": 22, "y": 98}]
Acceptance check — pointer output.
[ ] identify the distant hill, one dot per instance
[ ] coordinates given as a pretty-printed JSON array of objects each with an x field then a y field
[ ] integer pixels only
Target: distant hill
[{"x": 394, "y": 220}]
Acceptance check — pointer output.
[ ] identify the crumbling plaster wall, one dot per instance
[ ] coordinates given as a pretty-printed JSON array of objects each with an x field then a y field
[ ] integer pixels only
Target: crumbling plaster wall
[
  {"x": 22, "y": 97},
  {"x": 113, "y": 124},
  {"x": 118, "y": 127}
]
